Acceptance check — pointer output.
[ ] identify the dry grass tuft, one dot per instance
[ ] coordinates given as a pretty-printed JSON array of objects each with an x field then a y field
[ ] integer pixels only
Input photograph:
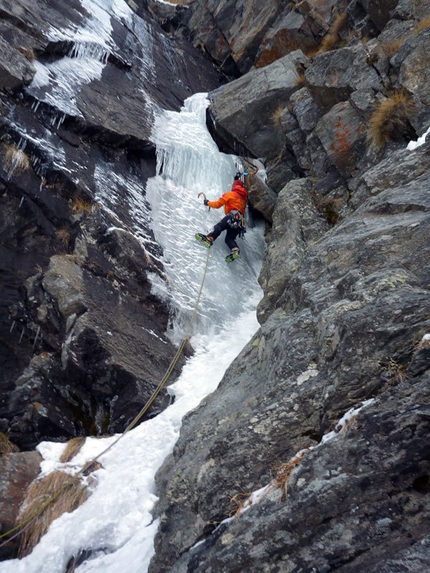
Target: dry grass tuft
[
  {"x": 72, "y": 448},
  {"x": 333, "y": 35},
  {"x": 276, "y": 116},
  {"x": 6, "y": 446},
  {"x": 80, "y": 206},
  {"x": 73, "y": 494},
  {"x": 239, "y": 501},
  {"x": 283, "y": 472},
  {"x": 391, "y": 48},
  {"x": 64, "y": 236},
  {"x": 28, "y": 53},
  {"x": 424, "y": 343},
  {"x": 329, "y": 207},
  {"x": 423, "y": 24},
  {"x": 301, "y": 79},
  {"x": 16, "y": 160},
  {"x": 395, "y": 373},
  {"x": 180, "y": 2},
  {"x": 391, "y": 119}
]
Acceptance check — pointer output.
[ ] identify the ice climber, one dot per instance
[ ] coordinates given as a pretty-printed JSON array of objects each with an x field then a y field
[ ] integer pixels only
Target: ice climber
[{"x": 234, "y": 203}]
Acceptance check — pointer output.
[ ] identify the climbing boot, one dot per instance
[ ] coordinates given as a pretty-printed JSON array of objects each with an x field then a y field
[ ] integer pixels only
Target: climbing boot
[
  {"x": 233, "y": 255},
  {"x": 206, "y": 240}
]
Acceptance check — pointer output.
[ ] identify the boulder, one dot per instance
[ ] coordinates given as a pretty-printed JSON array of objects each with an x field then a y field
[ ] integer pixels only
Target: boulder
[
  {"x": 333, "y": 76},
  {"x": 379, "y": 11},
  {"x": 414, "y": 73},
  {"x": 231, "y": 30},
  {"x": 290, "y": 32},
  {"x": 242, "y": 112},
  {"x": 343, "y": 134}
]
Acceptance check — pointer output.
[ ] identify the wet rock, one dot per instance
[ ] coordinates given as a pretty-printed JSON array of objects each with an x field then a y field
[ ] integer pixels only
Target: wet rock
[
  {"x": 72, "y": 260},
  {"x": 15, "y": 69}
]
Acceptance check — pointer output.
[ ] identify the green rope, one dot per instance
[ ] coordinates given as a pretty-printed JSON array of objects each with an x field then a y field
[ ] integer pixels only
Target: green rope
[{"x": 21, "y": 527}]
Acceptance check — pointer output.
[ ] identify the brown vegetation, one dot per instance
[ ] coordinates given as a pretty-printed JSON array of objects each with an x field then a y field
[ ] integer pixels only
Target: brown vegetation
[
  {"x": 67, "y": 493},
  {"x": 332, "y": 38},
  {"x": 72, "y": 448},
  {"x": 16, "y": 160},
  {"x": 276, "y": 116},
  {"x": 391, "y": 48},
  {"x": 80, "y": 206},
  {"x": 391, "y": 119},
  {"x": 28, "y": 53},
  {"x": 283, "y": 472},
  {"x": 6, "y": 446},
  {"x": 301, "y": 79},
  {"x": 239, "y": 501},
  {"x": 423, "y": 343},
  {"x": 64, "y": 236},
  {"x": 423, "y": 24}
]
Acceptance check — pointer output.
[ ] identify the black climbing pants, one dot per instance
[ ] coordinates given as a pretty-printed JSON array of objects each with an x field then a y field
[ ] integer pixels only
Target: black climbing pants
[{"x": 230, "y": 235}]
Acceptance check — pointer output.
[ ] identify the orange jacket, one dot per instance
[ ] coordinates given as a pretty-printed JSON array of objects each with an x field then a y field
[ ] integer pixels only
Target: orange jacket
[{"x": 232, "y": 200}]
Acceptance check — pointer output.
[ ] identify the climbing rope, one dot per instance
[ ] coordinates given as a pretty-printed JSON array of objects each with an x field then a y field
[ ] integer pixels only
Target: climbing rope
[{"x": 21, "y": 527}]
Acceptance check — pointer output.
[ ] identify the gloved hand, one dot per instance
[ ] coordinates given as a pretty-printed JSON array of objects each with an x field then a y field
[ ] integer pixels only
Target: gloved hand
[{"x": 205, "y": 201}]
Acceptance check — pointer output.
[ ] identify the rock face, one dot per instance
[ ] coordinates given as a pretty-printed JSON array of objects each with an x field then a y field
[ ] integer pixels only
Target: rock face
[
  {"x": 83, "y": 339},
  {"x": 327, "y": 407}
]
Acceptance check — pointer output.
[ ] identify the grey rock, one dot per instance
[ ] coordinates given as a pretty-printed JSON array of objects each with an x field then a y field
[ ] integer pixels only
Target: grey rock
[
  {"x": 262, "y": 197},
  {"x": 333, "y": 76},
  {"x": 231, "y": 32},
  {"x": 386, "y": 174},
  {"x": 15, "y": 69},
  {"x": 341, "y": 328},
  {"x": 305, "y": 109},
  {"x": 343, "y": 134},
  {"x": 290, "y": 32},
  {"x": 63, "y": 281},
  {"x": 243, "y": 110},
  {"x": 296, "y": 223},
  {"x": 379, "y": 11}
]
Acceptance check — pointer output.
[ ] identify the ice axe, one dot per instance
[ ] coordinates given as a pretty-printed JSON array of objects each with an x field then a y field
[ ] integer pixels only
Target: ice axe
[{"x": 198, "y": 197}]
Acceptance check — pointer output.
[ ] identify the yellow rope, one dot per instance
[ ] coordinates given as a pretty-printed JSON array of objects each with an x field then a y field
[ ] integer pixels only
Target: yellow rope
[{"x": 20, "y": 528}]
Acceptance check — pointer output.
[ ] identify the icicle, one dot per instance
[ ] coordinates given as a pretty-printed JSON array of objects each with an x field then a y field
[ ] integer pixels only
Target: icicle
[
  {"x": 21, "y": 202},
  {"x": 13, "y": 326},
  {"x": 22, "y": 334},
  {"x": 37, "y": 335},
  {"x": 90, "y": 50}
]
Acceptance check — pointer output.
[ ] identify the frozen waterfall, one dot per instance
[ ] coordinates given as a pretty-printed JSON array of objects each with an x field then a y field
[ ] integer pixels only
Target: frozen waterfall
[{"x": 115, "y": 525}]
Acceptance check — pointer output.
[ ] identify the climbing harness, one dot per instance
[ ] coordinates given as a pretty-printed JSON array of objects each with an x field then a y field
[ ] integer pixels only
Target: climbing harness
[
  {"x": 21, "y": 527},
  {"x": 237, "y": 221}
]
